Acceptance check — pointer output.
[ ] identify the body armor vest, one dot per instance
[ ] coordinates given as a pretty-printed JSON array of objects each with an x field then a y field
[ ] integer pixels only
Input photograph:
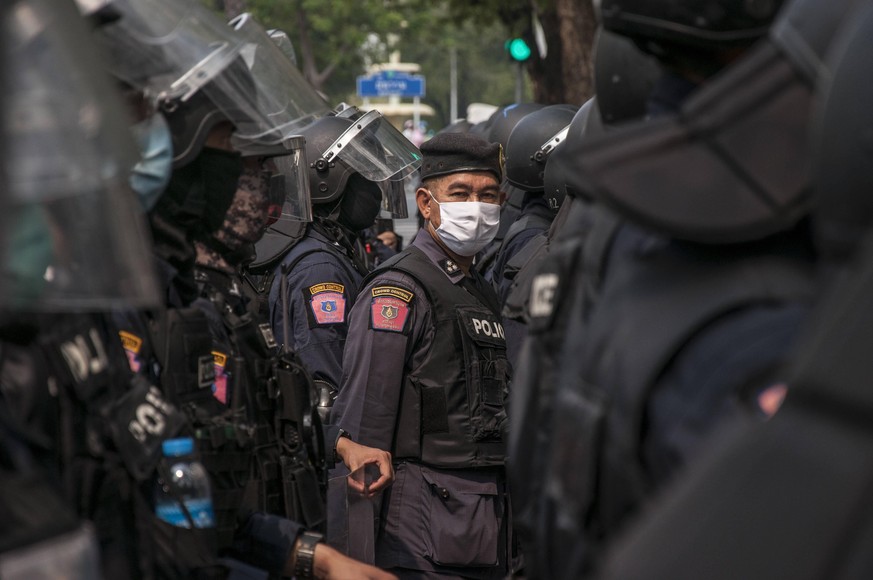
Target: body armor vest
[
  {"x": 549, "y": 310},
  {"x": 452, "y": 411},
  {"x": 278, "y": 254},
  {"x": 277, "y": 429},
  {"x": 652, "y": 301},
  {"x": 538, "y": 217},
  {"x": 110, "y": 428}
]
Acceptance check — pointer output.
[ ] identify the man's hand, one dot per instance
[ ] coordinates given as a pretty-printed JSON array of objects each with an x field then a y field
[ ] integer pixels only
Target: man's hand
[
  {"x": 355, "y": 455},
  {"x": 330, "y": 564}
]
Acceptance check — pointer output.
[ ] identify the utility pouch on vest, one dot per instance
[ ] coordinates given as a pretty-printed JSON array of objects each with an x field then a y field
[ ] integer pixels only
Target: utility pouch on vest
[
  {"x": 301, "y": 442},
  {"x": 183, "y": 346},
  {"x": 139, "y": 421},
  {"x": 229, "y": 450},
  {"x": 487, "y": 370},
  {"x": 576, "y": 451},
  {"x": 304, "y": 501}
]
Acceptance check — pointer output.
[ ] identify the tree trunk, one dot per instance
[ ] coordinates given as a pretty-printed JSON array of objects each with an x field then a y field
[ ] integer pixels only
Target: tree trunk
[{"x": 566, "y": 73}]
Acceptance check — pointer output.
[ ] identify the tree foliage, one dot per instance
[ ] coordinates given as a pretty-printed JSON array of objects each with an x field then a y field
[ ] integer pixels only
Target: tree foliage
[{"x": 335, "y": 41}]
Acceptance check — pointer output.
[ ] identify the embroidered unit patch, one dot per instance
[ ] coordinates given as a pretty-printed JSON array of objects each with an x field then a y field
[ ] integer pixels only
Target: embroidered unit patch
[
  {"x": 328, "y": 303},
  {"x": 219, "y": 387},
  {"x": 132, "y": 345},
  {"x": 394, "y": 291},
  {"x": 389, "y": 313}
]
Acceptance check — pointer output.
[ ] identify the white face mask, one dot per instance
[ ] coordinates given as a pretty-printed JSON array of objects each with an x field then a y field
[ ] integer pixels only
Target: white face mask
[{"x": 467, "y": 226}]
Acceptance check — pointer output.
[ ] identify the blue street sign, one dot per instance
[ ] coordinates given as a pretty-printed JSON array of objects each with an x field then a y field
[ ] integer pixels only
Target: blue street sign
[{"x": 391, "y": 83}]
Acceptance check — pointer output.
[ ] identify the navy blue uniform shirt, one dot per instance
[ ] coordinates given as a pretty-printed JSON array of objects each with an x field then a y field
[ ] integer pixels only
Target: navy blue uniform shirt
[{"x": 322, "y": 285}]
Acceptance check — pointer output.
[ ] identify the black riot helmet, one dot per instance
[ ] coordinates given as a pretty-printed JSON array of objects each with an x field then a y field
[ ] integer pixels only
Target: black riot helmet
[
  {"x": 531, "y": 142},
  {"x": 697, "y": 23},
  {"x": 733, "y": 165},
  {"x": 586, "y": 124},
  {"x": 353, "y": 142},
  {"x": 623, "y": 77},
  {"x": 501, "y": 123},
  {"x": 189, "y": 62},
  {"x": 327, "y": 179}
]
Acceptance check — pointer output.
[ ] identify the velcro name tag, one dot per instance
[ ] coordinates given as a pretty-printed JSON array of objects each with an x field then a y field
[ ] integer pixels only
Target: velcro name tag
[{"x": 482, "y": 326}]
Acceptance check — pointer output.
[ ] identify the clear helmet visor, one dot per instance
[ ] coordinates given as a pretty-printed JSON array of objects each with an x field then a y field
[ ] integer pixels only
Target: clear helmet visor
[
  {"x": 73, "y": 237},
  {"x": 395, "y": 191},
  {"x": 284, "y": 96},
  {"x": 289, "y": 185},
  {"x": 373, "y": 147},
  {"x": 173, "y": 49}
]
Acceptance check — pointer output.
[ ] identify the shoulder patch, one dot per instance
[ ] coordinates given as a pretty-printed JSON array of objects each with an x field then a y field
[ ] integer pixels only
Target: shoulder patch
[
  {"x": 389, "y": 313},
  {"x": 327, "y": 301},
  {"x": 219, "y": 387},
  {"x": 394, "y": 291},
  {"x": 132, "y": 345}
]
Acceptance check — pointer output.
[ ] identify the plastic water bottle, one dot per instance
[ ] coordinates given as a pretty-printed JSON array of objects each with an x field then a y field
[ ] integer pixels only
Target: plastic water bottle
[{"x": 190, "y": 482}]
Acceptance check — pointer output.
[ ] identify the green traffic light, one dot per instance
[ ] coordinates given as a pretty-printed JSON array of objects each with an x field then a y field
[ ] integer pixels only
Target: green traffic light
[{"x": 518, "y": 49}]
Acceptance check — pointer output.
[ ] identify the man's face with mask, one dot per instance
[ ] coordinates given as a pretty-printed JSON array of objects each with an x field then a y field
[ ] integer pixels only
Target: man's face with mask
[{"x": 462, "y": 209}]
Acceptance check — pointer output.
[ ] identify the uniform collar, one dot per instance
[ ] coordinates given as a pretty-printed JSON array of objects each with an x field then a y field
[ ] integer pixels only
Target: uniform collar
[{"x": 436, "y": 254}]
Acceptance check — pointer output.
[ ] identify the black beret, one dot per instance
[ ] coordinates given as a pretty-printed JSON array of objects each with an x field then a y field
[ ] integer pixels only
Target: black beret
[{"x": 447, "y": 153}]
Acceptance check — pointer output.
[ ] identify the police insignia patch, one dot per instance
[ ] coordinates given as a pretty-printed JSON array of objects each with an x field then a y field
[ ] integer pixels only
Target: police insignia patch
[
  {"x": 388, "y": 313},
  {"x": 132, "y": 345},
  {"x": 328, "y": 303},
  {"x": 219, "y": 387},
  {"x": 394, "y": 291}
]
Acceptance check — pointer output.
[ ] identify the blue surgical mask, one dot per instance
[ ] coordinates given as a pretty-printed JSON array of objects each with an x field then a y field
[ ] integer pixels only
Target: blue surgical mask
[{"x": 150, "y": 176}]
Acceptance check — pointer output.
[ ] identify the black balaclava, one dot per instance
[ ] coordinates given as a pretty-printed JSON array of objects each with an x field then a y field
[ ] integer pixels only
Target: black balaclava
[
  {"x": 244, "y": 223},
  {"x": 182, "y": 213},
  {"x": 360, "y": 203}
]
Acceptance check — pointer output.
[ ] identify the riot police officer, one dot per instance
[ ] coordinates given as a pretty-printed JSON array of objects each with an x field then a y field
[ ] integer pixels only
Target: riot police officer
[
  {"x": 722, "y": 274},
  {"x": 65, "y": 382},
  {"x": 497, "y": 129},
  {"x": 196, "y": 220},
  {"x": 545, "y": 290},
  {"x": 767, "y": 488},
  {"x": 310, "y": 273},
  {"x": 426, "y": 375},
  {"x": 531, "y": 142}
]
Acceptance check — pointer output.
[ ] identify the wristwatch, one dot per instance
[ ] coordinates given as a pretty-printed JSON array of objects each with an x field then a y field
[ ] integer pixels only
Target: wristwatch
[
  {"x": 306, "y": 554},
  {"x": 342, "y": 433}
]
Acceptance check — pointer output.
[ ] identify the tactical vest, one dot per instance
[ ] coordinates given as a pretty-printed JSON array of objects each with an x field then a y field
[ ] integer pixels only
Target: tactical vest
[
  {"x": 653, "y": 300},
  {"x": 111, "y": 425},
  {"x": 452, "y": 412},
  {"x": 548, "y": 307},
  {"x": 277, "y": 254},
  {"x": 277, "y": 431},
  {"x": 179, "y": 343},
  {"x": 538, "y": 217}
]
